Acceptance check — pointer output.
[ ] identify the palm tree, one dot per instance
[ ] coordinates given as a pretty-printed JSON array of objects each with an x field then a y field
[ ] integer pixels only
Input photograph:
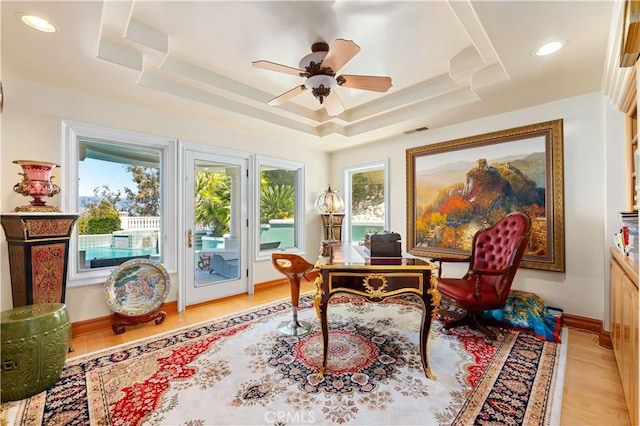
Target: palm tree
[
  {"x": 213, "y": 201},
  {"x": 277, "y": 202}
]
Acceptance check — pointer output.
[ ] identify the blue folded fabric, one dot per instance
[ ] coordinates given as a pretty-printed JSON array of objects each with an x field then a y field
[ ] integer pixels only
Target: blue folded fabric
[{"x": 528, "y": 312}]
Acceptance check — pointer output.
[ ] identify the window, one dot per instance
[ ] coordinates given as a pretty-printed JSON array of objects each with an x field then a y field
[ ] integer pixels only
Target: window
[
  {"x": 123, "y": 186},
  {"x": 365, "y": 199},
  {"x": 280, "y": 197}
]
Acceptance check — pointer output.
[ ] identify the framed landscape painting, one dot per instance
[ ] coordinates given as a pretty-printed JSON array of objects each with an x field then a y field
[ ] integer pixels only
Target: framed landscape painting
[{"x": 458, "y": 187}]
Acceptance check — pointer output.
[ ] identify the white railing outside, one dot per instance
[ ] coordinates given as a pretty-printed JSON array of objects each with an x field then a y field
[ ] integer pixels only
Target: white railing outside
[{"x": 138, "y": 223}]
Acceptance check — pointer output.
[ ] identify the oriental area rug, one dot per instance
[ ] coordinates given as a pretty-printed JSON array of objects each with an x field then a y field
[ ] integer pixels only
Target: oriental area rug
[{"x": 238, "y": 370}]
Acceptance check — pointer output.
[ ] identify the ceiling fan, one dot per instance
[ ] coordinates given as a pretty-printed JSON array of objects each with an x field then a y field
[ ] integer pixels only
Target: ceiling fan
[{"x": 319, "y": 68}]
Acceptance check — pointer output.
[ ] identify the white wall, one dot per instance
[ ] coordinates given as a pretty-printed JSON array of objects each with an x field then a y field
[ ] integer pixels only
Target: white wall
[
  {"x": 594, "y": 176},
  {"x": 589, "y": 122},
  {"x": 31, "y": 130}
]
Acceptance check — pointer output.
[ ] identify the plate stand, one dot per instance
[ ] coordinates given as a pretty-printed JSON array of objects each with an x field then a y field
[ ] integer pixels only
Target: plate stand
[{"x": 121, "y": 321}]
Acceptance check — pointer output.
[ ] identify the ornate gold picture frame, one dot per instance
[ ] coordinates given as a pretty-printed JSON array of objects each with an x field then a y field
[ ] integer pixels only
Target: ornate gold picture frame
[{"x": 457, "y": 187}]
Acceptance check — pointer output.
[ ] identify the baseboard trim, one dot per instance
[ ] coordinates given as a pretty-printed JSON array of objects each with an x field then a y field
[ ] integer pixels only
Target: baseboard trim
[
  {"x": 583, "y": 323},
  {"x": 604, "y": 340},
  {"x": 589, "y": 324},
  {"x": 104, "y": 323}
]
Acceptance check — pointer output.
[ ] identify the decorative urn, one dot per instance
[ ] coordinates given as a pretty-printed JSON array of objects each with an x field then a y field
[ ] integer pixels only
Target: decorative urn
[{"x": 36, "y": 183}]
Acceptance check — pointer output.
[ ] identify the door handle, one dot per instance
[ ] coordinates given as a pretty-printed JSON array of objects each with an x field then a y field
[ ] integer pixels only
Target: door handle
[{"x": 189, "y": 238}]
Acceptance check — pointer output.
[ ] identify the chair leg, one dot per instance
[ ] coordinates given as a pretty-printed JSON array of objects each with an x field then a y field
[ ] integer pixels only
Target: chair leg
[
  {"x": 479, "y": 325},
  {"x": 452, "y": 315},
  {"x": 460, "y": 322},
  {"x": 474, "y": 322},
  {"x": 495, "y": 323}
]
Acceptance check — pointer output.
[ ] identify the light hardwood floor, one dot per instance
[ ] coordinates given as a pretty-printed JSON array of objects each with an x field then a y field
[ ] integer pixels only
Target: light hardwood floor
[{"x": 592, "y": 389}]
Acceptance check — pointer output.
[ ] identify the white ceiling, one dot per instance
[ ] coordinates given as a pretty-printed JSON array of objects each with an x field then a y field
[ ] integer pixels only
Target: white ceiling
[{"x": 450, "y": 61}]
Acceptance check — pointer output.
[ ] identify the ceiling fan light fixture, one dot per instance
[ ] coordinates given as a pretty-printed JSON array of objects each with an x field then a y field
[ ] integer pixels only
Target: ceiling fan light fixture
[
  {"x": 315, "y": 58},
  {"x": 320, "y": 85}
]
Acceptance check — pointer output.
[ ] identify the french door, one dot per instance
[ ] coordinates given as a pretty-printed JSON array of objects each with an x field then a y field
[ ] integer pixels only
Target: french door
[{"x": 215, "y": 211}]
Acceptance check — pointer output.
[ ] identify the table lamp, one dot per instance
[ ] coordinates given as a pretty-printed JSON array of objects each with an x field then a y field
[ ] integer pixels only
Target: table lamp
[{"x": 329, "y": 202}]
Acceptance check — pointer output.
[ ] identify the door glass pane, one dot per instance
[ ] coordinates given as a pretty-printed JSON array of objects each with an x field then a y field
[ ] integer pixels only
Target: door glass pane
[
  {"x": 367, "y": 202},
  {"x": 215, "y": 237},
  {"x": 119, "y": 197}
]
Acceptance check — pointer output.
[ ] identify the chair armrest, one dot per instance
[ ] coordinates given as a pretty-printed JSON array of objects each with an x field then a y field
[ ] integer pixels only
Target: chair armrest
[
  {"x": 449, "y": 259},
  {"x": 493, "y": 272}
]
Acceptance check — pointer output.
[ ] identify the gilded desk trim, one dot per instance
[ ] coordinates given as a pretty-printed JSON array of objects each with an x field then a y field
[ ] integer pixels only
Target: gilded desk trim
[{"x": 369, "y": 272}]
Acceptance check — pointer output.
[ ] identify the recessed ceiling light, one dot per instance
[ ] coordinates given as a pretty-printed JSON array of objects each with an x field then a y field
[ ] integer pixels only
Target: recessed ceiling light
[
  {"x": 549, "y": 48},
  {"x": 38, "y": 23}
]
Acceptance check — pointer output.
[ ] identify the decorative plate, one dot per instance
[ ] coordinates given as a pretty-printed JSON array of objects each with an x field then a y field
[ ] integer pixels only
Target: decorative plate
[{"x": 137, "y": 287}]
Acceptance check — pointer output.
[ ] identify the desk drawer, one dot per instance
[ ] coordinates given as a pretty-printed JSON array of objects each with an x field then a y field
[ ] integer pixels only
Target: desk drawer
[{"x": 377, "y": 284}]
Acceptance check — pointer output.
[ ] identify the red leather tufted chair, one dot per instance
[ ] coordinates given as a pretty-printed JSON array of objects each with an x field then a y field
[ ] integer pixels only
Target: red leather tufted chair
[{"x": 495, "y": 256}]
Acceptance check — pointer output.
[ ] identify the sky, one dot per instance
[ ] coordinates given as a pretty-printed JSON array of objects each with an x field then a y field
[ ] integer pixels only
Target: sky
[
  {"x": 95, "y": 173},
  {"x": 490, "y": 152}
]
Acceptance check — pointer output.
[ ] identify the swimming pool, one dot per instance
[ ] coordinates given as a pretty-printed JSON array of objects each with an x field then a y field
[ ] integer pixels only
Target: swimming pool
[{"x": 111, "y": 253}]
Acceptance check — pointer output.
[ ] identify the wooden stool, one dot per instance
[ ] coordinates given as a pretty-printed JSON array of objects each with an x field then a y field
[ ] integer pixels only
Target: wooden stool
[{"x": 293, "y": 267}]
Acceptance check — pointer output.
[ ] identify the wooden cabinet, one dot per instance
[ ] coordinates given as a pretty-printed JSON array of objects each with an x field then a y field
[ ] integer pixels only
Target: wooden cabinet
[
  {"x": 630, "y": 108},
  {"x": 632, "y": 137},
  {"x": 624, "y": 273},
  {"x": 38, "y": 252},
  {"x": 625, "y": 325}
]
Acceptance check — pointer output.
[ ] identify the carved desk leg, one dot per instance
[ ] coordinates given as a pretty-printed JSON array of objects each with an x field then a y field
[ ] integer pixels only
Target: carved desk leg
[
  {"x": 321, "y": 298},
  {"x": 431, "y": 302}
]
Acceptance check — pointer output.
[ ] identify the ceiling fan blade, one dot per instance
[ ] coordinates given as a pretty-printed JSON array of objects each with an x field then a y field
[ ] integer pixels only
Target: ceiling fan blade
[
  {"x": 340, "y": 53},
  {"x": 365, "y": 82},
  {"x": 279, "y": 100},
  {"x": 272, "y": 66},
  {"x": 333, "y": 105}
]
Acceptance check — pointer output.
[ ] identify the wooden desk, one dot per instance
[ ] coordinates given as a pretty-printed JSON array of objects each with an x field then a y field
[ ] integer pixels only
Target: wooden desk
[{"x": 350, "y": 271}]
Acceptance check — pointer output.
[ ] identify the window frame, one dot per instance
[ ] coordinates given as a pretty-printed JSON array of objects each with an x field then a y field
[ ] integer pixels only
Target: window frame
[
  {"x": 347, "y": 173},
  {"x": 299, "y": 186},
  {"x": 72, "y": 132}
]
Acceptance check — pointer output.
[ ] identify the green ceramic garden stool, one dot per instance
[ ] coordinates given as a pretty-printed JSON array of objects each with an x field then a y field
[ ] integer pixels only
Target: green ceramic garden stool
[{"x": 35, "y": 341}]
